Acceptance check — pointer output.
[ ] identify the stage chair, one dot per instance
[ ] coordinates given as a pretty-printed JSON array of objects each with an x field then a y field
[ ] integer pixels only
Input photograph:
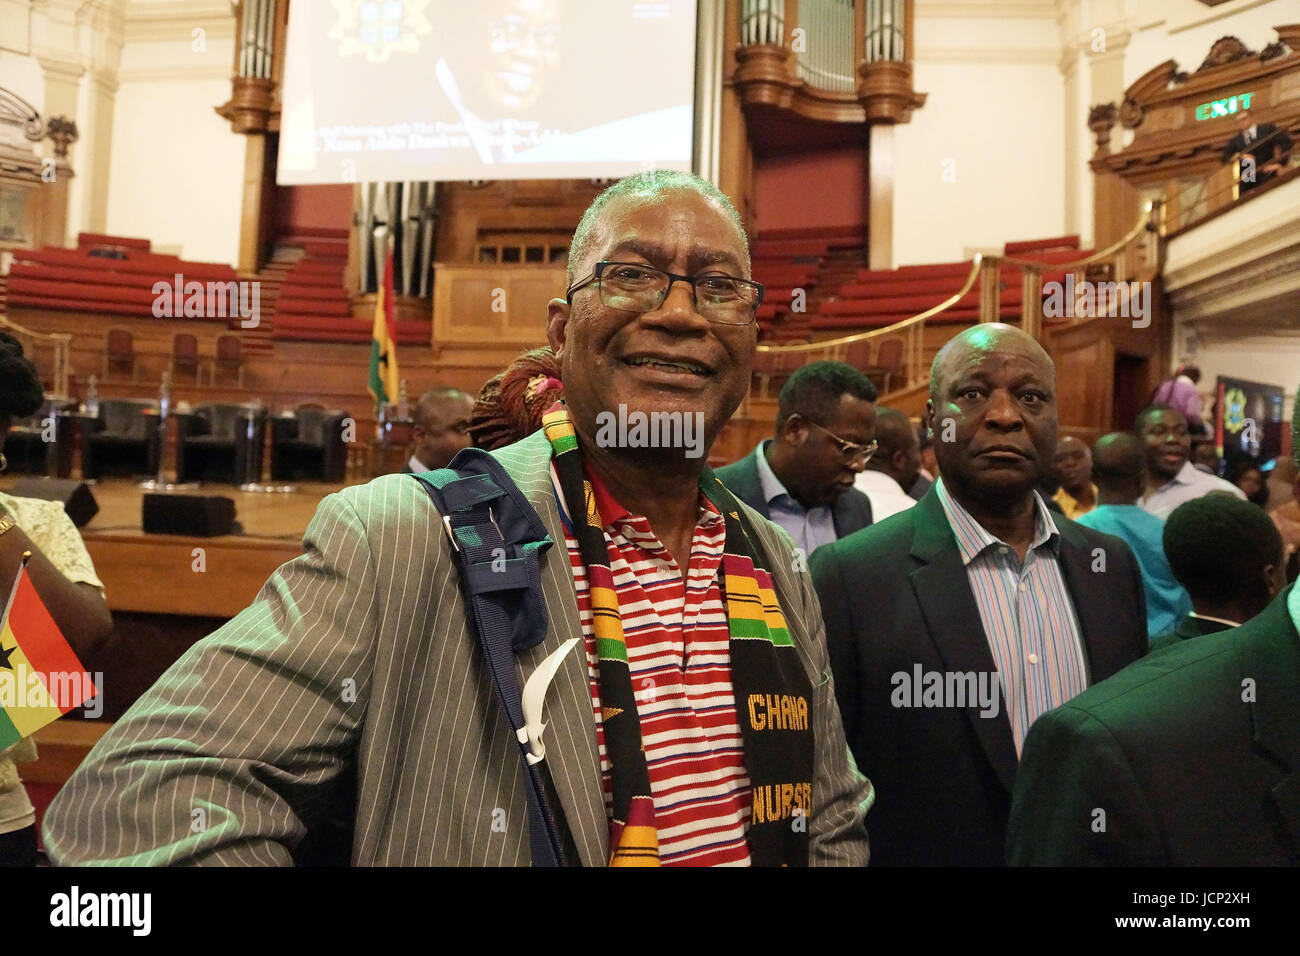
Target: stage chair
[
  {"x": 229, "y": 359},
  {"x": 307, "y": 445},
  {"x": 119, "y": 352},
  {"x": 185, "y": 355},
  {"x": 889, "y": 361},
  {"x": 122, "y": 440},
  {"x": 27, "y": 451},
  {"x": 214, "y": 444}
]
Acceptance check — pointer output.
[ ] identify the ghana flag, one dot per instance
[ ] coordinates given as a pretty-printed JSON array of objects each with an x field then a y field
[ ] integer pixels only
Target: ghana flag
[
  {"x": 40, "y": 678},
  {"x": 383, "y": 383}
]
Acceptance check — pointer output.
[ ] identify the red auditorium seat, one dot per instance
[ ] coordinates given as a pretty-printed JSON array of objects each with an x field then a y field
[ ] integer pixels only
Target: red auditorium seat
[
  {"x": 119, "y": 352},
  {"x": 858, "y": 355},
  {"x": 229, "y": 358},
  {"x": 889, "y": 361},
  {"x": 185, "y": 354}
]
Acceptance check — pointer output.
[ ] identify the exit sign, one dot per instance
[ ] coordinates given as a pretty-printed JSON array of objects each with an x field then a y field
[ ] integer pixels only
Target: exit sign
[{"x": 1225, "y": 107}]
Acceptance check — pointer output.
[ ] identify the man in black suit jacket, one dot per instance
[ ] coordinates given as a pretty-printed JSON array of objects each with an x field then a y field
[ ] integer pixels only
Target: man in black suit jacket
[
  {"x": 803, "y": 478},
  {"x": 904, "y": 607},
  {"x": 1189, "y": 758},
  {"x": 1265, "y": 151}
]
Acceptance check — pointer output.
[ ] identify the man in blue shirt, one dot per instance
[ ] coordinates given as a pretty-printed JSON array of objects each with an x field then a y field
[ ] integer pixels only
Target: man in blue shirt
[
  {"x": 803, "y": 477},
  {"x": 1117, "y": 470}
]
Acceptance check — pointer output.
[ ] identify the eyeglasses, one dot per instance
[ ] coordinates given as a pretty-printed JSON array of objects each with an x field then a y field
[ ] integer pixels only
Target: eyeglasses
[
  {"x": 853, "y": 454},
  {"x": 633, "y": 287}
]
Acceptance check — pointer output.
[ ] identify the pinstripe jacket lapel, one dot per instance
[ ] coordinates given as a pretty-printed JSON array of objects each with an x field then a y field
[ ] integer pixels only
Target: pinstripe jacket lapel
[{"x": 570, "y": 736}]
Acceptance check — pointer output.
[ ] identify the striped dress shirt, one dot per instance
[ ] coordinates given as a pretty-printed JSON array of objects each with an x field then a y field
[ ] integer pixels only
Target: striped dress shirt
[
  {"x": 679, "y": 657},
  {"x": 1028, "y": 617}
]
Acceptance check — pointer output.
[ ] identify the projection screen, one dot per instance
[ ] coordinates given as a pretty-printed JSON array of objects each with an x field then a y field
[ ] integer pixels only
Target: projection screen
[{"x": 391, "y": 90}]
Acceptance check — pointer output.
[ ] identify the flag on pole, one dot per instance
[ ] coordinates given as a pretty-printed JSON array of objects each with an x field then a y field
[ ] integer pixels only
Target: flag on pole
[
  {"x": 383, "y": 347},
  {"x": 40, "y": 677}
]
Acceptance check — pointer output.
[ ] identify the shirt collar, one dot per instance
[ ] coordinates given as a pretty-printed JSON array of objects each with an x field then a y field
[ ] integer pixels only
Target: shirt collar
[
  {"x": 1187, "y": 475},
  {"x": 615, "y": 515},
  {"x": 972, "y": 537},
  {"x": 767, "y": 479},
  {"x": 1217, "y": 620},
  {"x": 1293, "y": 605}
]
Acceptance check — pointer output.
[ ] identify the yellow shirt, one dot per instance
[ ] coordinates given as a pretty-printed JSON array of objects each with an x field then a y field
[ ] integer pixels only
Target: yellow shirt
[{"x": 1071, "y": 506}]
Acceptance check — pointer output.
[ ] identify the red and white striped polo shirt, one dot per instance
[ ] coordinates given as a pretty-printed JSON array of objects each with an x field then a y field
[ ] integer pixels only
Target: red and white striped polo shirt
[{"x": 679, "y": 655}]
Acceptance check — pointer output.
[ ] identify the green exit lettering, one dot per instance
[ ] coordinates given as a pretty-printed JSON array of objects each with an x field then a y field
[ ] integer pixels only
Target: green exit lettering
[{"x": 1217, "y": 108}]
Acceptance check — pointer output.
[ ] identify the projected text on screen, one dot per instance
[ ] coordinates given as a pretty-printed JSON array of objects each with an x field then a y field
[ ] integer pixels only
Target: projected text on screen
[{"x": 382, "y": 90}]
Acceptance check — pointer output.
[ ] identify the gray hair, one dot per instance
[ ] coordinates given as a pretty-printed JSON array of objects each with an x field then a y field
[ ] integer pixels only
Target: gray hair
[{"x": 650, "y": 186}]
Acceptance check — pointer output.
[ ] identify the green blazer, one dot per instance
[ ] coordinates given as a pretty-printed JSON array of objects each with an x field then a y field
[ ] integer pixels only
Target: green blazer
[
  {"x": 1187, "y": 758},
  {"x": 351, "y": 695}
]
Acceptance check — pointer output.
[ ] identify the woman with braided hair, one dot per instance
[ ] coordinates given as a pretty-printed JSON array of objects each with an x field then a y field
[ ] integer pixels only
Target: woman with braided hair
[
  {"x": 63, "y": 576},
  {"x": 512, "y": 402}
]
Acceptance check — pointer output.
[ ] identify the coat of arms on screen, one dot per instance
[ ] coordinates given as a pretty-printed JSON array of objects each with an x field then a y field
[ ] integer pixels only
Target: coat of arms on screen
[{"x": 379, "y": 28}]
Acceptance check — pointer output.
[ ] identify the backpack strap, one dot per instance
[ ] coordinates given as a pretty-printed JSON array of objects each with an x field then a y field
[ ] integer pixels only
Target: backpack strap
[{"x": 497, "y": 536}]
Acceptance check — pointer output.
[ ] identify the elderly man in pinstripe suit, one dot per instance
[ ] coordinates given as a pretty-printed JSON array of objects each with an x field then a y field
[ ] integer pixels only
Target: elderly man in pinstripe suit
[{"x": 700, "y": 726}]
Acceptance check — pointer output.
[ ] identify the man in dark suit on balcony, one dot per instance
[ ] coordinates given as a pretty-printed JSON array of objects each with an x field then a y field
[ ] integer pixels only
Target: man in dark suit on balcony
[
  {"x": 954, "y": 624},
  {"x": 1264, "y": 150}
]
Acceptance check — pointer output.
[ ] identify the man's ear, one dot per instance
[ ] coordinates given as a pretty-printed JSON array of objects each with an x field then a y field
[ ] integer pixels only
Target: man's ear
[
  {"x": 794, "y": 430},
  {"x": 557, "y": 320},
  {"x": 928, "y": 419},
  {"x": 1274, "y": 578}
]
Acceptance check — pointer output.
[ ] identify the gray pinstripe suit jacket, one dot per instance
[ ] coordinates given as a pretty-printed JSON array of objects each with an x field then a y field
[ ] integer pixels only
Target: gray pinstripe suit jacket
[{"x": 355, "y": 659}]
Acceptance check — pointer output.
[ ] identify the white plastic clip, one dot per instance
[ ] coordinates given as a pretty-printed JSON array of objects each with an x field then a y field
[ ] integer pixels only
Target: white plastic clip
[{"x": 534, "y": 697}]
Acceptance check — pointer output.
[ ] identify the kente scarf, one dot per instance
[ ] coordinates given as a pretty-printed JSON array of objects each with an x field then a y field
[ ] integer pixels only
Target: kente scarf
[{"x": 772, "y": 691}]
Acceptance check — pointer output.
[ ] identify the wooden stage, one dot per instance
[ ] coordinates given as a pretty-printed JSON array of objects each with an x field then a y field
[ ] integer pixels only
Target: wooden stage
[{"x": 153, "y": 573}]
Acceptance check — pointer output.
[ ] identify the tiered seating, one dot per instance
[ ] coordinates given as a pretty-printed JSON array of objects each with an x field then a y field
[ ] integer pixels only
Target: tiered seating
[
  {"x": 786, "y": 260},
  {"x": 109, "y": 274},
  {"x": 1063, "y": 249},
  {"x": 313, "y": 304},
  {"x": 879, "y": 297}
]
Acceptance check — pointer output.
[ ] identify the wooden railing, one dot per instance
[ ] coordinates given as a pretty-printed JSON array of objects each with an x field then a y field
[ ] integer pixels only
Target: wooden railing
[
  {"x": 911, "y": 329},
  {"x": 986, "y": 268},
  {"x": 36, "y": 343},
  {"x": 1118, "y": 256}
]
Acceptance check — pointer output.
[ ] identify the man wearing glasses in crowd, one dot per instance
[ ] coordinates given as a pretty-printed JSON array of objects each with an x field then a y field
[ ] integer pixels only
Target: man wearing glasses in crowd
[
  {"x": 698, "y": 728},
  {"x": 803, "y": 477}
]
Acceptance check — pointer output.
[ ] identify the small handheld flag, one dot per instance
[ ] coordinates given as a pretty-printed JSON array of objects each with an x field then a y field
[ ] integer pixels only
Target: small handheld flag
[{"x": 40, "y": 677}]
